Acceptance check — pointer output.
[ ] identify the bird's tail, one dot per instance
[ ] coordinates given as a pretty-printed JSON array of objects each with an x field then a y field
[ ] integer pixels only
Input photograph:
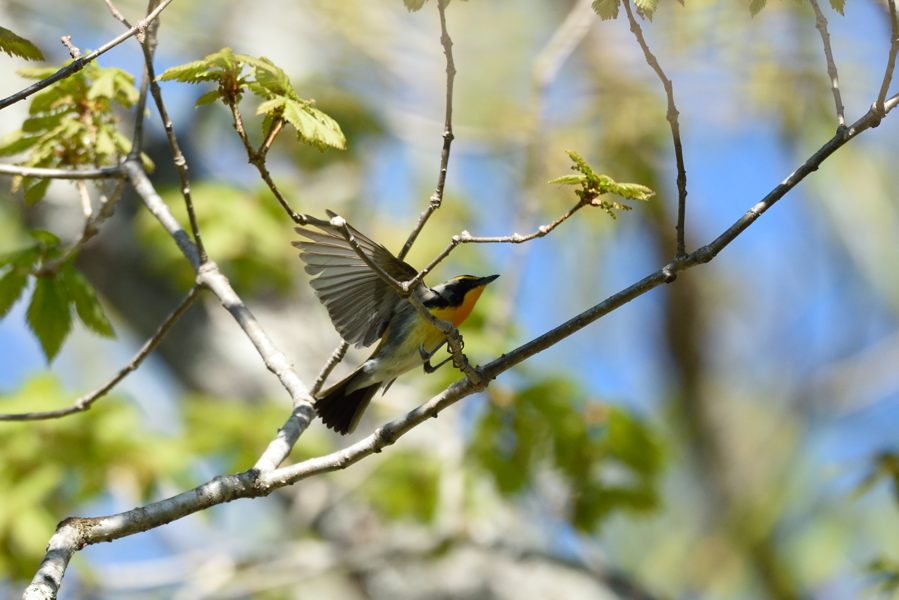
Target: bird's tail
[{"x": 340, "y": 410}]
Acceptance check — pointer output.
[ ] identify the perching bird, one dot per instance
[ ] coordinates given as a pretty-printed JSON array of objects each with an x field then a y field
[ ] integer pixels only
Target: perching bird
[{"x": 364, "y": 308}]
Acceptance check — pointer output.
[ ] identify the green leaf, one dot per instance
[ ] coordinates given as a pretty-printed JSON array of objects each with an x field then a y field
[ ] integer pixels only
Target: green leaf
[
  {"x": 312, "y": 125},
  {"x": 35, "y": 190},
  {"x": 87, "y": 306},
  {"x": 606, "y": 9},
  {"x": 12, "y": 284},
  {"x": 756, "y": 6},
  {"x": 15, "y": 45},
  {"x": 414, "y": 5},
  {"x": 838, "y": 5},
  {"x": 210, "y": 68},
  {"x": 17, "y": 142},
  {"x": 646, "y": 7},
  {"x": 209, "y": 97},
  {"x": 46, "y": 239},
  {"x": 49, "y": 315},
  {"x": 271, "y": 80}
]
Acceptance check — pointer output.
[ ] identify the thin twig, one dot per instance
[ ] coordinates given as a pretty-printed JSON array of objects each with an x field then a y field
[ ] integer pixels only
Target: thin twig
[
  {"x": 78, "y": 64},
  {"x": 257, "y": 158},
  {"x": 180, "y": 162},
  {"x": 98, "y": 173},
  {"x": 73, "y": 50},
  {"x": 821, "y": 24},
  {"x": 671, "y": 115},
  {"x": 117, "y": 13},
  {"x": 86, "y": 401},
  {"x": 75, "y": 533},
  {"x": 515, "y": 238},
  {"x": 891, "y": 60},
  {"x": 333, "y": 361},
  {"x": 88, "y": 231},
  {"x": 437, "y": 197}
]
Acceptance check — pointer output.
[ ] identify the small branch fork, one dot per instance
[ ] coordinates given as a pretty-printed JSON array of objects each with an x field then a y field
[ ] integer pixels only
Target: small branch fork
[
  {"x": 86, "y": 401},
  {"x": 437, "y": 197},
  {"x": 821, "y": 24},
  {"x": 672, "y": 116}
]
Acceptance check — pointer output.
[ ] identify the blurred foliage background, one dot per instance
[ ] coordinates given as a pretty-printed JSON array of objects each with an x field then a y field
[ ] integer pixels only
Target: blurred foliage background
[{"x": 728, "y": 436}]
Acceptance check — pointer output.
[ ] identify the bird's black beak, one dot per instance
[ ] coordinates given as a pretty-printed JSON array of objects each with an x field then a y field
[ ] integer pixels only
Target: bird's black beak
[{"x": 486, "y": 280}]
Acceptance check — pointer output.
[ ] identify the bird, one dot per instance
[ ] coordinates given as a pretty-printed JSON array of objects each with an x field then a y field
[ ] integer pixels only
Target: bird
[{"x": 364, "y": 308}]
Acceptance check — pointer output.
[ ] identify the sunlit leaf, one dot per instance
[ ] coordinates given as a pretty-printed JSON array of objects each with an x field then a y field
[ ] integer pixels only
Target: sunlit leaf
[
  {"x": 49, "y": 315},
  {"x": 87, "y": 305},
  {"x": 606, "y": 9},
  {"x": 15, "y": 45}
]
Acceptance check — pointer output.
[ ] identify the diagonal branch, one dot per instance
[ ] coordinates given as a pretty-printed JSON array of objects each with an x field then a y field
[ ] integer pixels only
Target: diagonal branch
[
  {"x": 437, "y": 197},
  {"x": 86, "y": 401},
  {"x": 671, "y": 115},
  {"x": 78, "y": 64},
  {"x": 97, "y": 173},
  {"x": 333, "y": 361},
  {"x": 821, "y": 24}
]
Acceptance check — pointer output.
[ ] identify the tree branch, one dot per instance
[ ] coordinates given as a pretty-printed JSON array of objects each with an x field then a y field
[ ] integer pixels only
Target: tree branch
[
  {"x": 437, "y": 197},
  {"x": 74, "y": 174},
  {"x": 86, "y": 401},
  {"x": 671, "y": 115},
  {"x": 333, "y": 361},
  {"x": 148, "y": 46},
  {"x": 821, "y": 24},
  {"x": 78, "y": 64}
]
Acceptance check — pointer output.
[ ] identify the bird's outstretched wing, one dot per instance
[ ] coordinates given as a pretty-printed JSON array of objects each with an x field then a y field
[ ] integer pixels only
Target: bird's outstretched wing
[{"x": 359, "y": 302}]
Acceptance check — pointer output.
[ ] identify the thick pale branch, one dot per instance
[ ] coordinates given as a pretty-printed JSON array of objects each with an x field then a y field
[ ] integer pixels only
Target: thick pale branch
[
  {"x": 78, "y": 64},
  {"x": 821, "y": 24},
  {"x": 437, "y": 197},
  {"x": 98, "y": 173},
  {"x": 85, "y": 402},
  {"x": 672, "y": 116}
]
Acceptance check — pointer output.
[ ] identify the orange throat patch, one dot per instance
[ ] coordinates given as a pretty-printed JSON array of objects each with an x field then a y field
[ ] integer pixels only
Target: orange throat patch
[{"x": 457, "y": 314}]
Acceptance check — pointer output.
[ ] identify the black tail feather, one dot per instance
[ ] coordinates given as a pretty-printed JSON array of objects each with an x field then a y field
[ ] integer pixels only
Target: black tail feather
[{"x": 340, "y": 410}]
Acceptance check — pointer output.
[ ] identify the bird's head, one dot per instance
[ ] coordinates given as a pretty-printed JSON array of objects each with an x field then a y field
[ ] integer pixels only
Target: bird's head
[{"x": 453, "y": 300}]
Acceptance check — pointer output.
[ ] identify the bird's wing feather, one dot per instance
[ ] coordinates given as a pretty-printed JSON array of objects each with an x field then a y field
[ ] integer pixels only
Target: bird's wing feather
[{"x": 359, "y": 302}]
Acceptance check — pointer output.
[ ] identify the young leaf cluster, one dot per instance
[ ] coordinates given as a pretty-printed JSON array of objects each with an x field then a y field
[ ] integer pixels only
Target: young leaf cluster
[
  {"x": 71, "y": 123},
  {"x": 608, "y": 459},
  {"x": 592, "y": 186},
  {"x": 56, "y": 292},
  {"x": 236, "y": 74},
  {"x": 608, "y": 9},
  {"x": 15, "y": 45}
]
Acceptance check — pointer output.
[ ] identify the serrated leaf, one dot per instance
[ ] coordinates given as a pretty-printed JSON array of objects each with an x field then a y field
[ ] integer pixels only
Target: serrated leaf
[
  {"x": 16, "y": 45},
  {"x": 606, "y": 9},
  {"x": 569, "y": 179},
  {"x": 12, "y": 284},
  {"x": 313, "y": 126},
  {"x": 271, "y": 80},
  {"x": 104, "y": 145},
  {"x": 838, "y": 5},
  {"x": 646, "y": 7},
  {"x": 756, "y": 6},
  {"x": 414, "y": 5},
  {"x": 87, "y": 306},
  {"x": 49, "y": 315}
]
